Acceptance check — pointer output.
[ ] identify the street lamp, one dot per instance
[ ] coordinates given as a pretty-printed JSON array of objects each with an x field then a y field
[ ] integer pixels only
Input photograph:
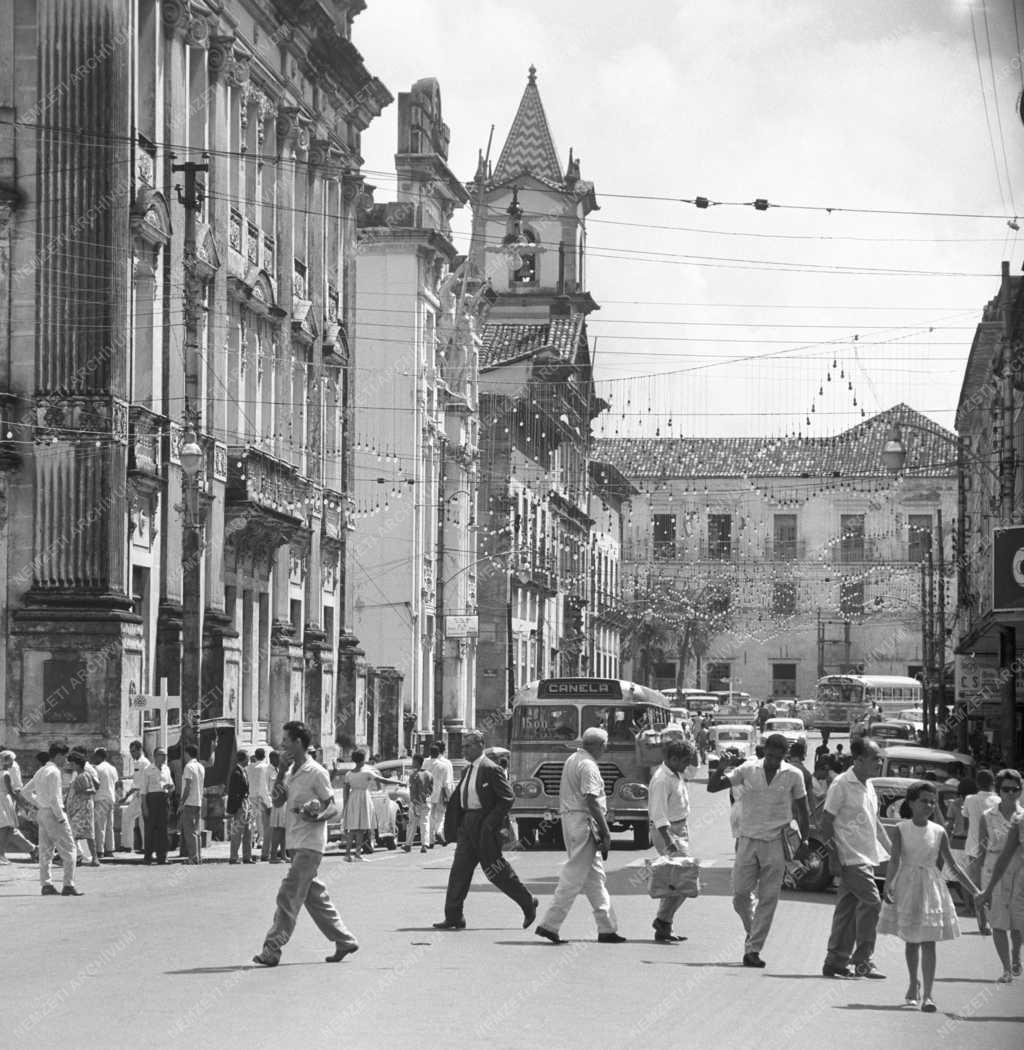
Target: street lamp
[{"x": 191, "y": 458}]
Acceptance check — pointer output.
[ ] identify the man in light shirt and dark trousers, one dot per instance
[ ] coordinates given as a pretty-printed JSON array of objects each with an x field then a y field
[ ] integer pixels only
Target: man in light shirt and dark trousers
[
  {"x": 582, "y": 808},
  {"x": 668, "y": 805},
  {"x": 773, "y": 794},
  {"x": 302, "y": 790},
  {"x": 473, "y": 820},
  {"x": 850, "y": 826},
  {"x": 46, "y": 792},
  {"x": 157, "y": 787},
  {"x": 193, "y": 781}
]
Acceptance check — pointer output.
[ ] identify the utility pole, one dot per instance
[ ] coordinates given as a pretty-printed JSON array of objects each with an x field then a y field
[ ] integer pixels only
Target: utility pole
[
  {"x": 931, "y": 646},
  {"x": 925, "y": 661},
  {"x": 192, "y": 457},
  {"x": 943, "y": 712}
]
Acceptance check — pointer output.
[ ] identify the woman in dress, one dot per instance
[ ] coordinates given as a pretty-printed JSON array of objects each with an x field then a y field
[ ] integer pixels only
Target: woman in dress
[
  {"x": 359, "y": 782},
  {"x": 918, "y": 906},
  {"x": 79, "y": 806},
  {"x": 1002, "y": 872},
  {"x": 10, "y": 785}
]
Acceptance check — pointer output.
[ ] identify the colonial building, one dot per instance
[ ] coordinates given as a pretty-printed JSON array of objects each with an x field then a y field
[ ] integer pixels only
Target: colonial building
[
  {"x": 799, "y": 557},
  {"x": 180, "y": 180},
  {"x": 536, "y": 405},
  {"x": 990, "y": 419},
  {"x": 412, "y": 559}
]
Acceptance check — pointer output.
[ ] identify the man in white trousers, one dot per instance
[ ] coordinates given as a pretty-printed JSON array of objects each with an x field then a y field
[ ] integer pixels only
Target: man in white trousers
[
  {"x": 441, "y": 770},
  {"x": 46, "y": 792},
  {"x": 582, "y": 807}
]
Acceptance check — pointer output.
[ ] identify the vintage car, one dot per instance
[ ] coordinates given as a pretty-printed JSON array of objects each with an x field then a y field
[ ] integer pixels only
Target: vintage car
[
  {"x": 902, "y": 760},
  {"x": 791, "y": 728},
  {"x": 390, "y": 802},
  {"x": 813, "y": 874},
  {"x": 885, "y": 733},
  {"x": 739, "y": 739}
]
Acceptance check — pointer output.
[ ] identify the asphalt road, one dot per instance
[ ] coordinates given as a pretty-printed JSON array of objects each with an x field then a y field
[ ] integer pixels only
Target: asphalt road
[{"x": 160, "y": 956}]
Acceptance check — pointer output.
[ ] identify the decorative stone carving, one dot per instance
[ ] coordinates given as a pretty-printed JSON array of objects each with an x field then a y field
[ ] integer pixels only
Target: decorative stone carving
[
  {"x": 220, "y": 55},
  {"x": 292, "y": 132}
]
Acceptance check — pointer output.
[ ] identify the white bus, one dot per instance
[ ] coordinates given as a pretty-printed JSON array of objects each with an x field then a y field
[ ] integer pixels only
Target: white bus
[{"x": 844, "y": 699}]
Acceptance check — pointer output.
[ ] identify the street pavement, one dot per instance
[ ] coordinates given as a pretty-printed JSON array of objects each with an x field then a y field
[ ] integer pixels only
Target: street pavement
[{"x": 160, "y": 956}]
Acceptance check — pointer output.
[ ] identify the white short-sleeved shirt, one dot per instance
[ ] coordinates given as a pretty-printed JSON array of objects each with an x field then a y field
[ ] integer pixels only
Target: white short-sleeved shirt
[
  {"x": 155, "y": 778},
  {"x": 974, "y": 806},
  {"x": 581, "y": 777},
  {"x": 195, "y": 774},
  {"x": 854, "y": 809},
  {"x": 668, "y": 801},
  {"x": 307, "y": 782},
  {"x": 139, "y": 776},
  {"x": 107, "y": 776},
  {"x": 765, "y": 809}
]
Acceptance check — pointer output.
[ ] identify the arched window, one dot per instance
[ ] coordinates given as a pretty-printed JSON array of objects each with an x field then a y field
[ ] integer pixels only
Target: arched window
[{"x": 527, "y": 272}]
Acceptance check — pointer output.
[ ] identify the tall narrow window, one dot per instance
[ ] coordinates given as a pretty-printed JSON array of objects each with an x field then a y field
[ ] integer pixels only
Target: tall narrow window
[
  {"x": 784, "y": 537},
  {"x": 664, "y": 537},
  {"x": 720, "y": 536},
  {"x": 851, "y": 537},
  {"x": 527, "y": 272},
  {"x": 784, "y": 597},
  {"x": 919, "y": 541}
]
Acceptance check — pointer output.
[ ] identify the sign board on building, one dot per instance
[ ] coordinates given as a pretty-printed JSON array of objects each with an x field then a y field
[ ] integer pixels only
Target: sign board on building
[
  {"x": 1008, "y": 569},
  {"x": 460, "y": 626},
  {"x": 585, "y": 688},
  {"x": 977, "y": 682},
  {"x": 522, "y": 626}
]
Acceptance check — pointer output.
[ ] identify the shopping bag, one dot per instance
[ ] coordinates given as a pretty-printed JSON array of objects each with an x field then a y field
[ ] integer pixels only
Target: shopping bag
[{"x": 674, "y": 877}]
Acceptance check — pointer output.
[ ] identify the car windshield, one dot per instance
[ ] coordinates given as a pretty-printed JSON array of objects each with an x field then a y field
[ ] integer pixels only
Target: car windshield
[
  {"x": 732, "y": 734},
  {"x": 784, "y": 724},
  {"x": 541, "y": 722}
]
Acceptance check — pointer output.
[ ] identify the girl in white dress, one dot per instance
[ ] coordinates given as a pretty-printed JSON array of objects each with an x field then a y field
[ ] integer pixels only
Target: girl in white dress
[{"x": 918, "y": 907}]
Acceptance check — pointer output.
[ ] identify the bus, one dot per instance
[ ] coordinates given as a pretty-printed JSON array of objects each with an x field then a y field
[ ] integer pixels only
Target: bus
[
  {"x": 844, "y": 699},
  {"x": 548, "y": 719}
]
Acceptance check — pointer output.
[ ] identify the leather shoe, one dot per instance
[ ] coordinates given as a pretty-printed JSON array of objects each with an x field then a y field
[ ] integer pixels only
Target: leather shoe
[
  {"x": 261, "y": 960},
  {"x": 610, "y": 938},
  {"x": 753, "y": 959},
  {"x": 71, "y": 891},
  {"x": 450, "y": 924},
  {"x": 49, "y": 890},
  {"x": 530, "y": 913},
  {"x": 869, "y": 970},
  {"x": 842, "y": 973},
  {"x": 340, "y": 951},
  {"x": 543, "y": 931}
]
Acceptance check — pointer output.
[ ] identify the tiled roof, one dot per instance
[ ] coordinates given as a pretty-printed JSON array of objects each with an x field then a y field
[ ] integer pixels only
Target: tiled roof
[
  {"x": 856, "y": 452},
  {"x": 529, "y": 146},
  {"x": 503, "y": 343}
]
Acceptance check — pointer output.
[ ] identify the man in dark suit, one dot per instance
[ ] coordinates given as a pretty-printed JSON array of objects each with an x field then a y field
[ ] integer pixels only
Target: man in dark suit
[{"x": 473, "y": 820}]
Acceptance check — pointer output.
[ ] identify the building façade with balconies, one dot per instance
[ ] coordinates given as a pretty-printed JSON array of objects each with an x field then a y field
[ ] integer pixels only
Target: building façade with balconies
[
  {"x": 107, "y": 302},
  {"x": 810, "y": 549}
]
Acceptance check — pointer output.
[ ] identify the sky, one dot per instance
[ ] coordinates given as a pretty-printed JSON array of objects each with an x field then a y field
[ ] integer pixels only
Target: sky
[{"x": 730, "y": 320}]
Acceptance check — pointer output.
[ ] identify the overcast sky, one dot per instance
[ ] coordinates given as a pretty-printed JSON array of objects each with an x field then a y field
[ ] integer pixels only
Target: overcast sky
[{"x": 873, "y": 104}]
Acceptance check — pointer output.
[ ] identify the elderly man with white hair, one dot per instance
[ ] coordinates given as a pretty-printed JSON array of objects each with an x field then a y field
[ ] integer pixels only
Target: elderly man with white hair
[{"x": 582, "y": 807}]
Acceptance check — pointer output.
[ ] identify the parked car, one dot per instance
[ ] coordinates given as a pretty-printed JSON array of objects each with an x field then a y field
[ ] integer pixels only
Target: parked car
[
  {"x": 902, "y": 760},
  {"x": 915, "y": 716},
  {"x": 390, "y": 802},
  {"x": 885, "y": 733},
  {"x": 892, "y": 808},
  {"x": 739, "y": 739},
  {"x": 791, "y": 728}
]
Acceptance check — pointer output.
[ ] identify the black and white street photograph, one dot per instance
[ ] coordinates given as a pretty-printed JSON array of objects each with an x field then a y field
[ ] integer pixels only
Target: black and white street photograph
[{"x": 546, "y": 479}]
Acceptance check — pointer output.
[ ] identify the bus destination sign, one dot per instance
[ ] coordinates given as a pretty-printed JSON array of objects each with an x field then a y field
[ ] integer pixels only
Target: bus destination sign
[{"x": 579, "y": 689}]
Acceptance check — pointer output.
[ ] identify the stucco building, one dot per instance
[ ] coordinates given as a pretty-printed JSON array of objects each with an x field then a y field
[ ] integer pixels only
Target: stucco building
[
  {"x": 412, "y": 559},
  {"x": 116, "y": 330},
  {"x": 809, "y": 549}
]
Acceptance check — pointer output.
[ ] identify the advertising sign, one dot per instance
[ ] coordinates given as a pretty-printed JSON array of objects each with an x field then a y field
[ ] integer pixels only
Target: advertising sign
[
  {"x": 977, "y": 682},
  {"x": 1008, "y": 569},
  {"x": 460, "y": 626}
]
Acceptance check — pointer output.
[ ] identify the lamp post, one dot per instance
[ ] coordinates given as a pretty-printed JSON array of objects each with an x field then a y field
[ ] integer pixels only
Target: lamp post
[{"x": 191, "y": 589}]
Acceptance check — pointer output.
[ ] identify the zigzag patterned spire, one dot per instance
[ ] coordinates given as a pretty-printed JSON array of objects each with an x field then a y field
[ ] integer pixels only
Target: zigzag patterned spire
[{"x": 529, "y": 146}]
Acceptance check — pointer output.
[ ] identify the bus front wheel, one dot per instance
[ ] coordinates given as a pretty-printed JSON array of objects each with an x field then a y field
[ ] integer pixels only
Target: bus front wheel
[{"x": 641, "y": 836}]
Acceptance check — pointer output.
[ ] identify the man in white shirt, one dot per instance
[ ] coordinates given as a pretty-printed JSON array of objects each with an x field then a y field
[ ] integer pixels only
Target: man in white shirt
[
  {"x": 258, "y": 772},
  {"x": 103, "y": 803},
  {"x": 156, "y": 789},
  {"x": 193, "y": 780},
  {"x": 308, "y": 800},
  {"x": 974, "y": 806},
  {"x": 850, "y": 826},
  {"x": 582, "y": 808},
  {"x": 132, "y": 800},
  {"x": 441, "y": 770},
  {"x": 773, "y": 793},
  {"x": 668, "y": 806},
  {"x": 46, "y": 792}
]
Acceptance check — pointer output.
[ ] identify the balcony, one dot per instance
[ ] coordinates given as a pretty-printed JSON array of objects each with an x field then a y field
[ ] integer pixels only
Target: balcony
[
  {"x": 537, "y": 567},
  {"x": 145, "y": 431},
  {"x": 266, "y": 501}
]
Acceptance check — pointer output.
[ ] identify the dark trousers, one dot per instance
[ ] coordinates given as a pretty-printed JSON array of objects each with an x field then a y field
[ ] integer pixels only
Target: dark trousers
[
  {"x": 156, "y": 826},
  {"x": 479, "y": 846},
  {"x": 855, "y": 919}
]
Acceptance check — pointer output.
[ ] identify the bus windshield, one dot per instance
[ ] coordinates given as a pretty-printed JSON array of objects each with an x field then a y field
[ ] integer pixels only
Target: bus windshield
[
  {"x": 836, "y": 693},
  {"x": 543, "y": 722},
  {"x": 623, "y": 723}
]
